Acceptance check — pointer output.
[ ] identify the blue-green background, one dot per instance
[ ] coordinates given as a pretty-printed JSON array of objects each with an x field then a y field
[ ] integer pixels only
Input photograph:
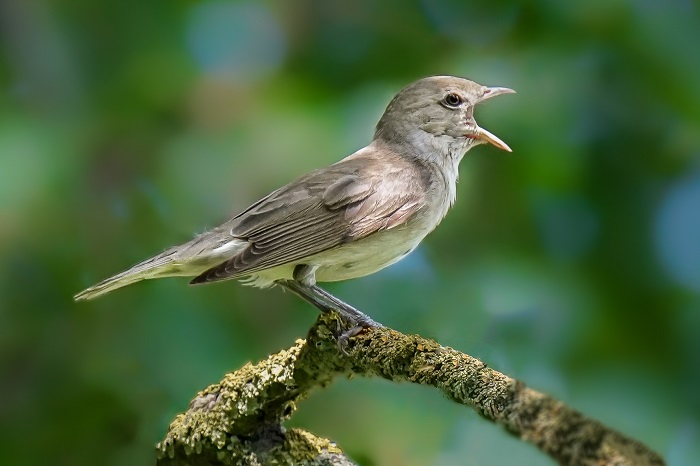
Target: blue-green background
[{"x": 572, "y": 264}]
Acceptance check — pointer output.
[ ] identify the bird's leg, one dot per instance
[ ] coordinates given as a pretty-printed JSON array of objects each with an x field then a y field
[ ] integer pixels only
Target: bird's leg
[
  {"x": 303, "y": 292},
  {"x": 305, "y": 275},
  {"x": 304, "y": 285}
]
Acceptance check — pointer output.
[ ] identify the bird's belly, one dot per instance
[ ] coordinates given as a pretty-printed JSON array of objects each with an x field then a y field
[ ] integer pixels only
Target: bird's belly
[
  {"x": 351, "y": 260},
  {"x": 362, "y": 257},
  {"x": 356, "y": 258}
]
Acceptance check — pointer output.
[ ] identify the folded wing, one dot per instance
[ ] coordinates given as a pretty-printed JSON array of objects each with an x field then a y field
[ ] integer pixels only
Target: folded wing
[{"x": 322, "y": 210}]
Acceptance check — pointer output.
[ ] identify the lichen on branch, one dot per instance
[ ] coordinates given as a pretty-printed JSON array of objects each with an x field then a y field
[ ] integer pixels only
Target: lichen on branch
[{"x": 239, "y": 421}]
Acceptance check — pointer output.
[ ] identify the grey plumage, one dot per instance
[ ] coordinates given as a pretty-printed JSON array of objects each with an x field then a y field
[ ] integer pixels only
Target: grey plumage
[{"x": 351, "y": 218}]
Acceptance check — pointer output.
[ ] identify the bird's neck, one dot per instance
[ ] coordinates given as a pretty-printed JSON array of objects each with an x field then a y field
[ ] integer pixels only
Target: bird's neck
[
  {"x": 443, "y": 153},
  {"x": 440, "y": 155}
]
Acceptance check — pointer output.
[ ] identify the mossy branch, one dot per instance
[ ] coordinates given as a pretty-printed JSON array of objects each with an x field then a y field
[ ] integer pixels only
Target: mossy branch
[{"x": 238, "y": 421}]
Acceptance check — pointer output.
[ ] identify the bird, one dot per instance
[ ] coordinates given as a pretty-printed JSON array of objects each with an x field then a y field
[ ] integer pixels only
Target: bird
[{"x": 349, "y": 219}]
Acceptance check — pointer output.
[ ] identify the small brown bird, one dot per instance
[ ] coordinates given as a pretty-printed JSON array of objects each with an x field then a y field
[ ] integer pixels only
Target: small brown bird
[{"x": 349, "y": 219}]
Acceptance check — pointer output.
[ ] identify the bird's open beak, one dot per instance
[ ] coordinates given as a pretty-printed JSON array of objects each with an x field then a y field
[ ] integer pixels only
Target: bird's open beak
[{"x": 481, "y": 134}]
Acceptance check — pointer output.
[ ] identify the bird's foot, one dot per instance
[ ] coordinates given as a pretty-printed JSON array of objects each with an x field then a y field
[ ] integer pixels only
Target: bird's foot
[
  {"x": 326, "y": 302},
  {"x": 345, "y": 336},
  {"x": 355, "y": 319}
]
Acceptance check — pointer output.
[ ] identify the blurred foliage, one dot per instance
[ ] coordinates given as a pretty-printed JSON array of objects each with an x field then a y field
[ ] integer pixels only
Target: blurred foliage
[{"x": 573, "y": 264}]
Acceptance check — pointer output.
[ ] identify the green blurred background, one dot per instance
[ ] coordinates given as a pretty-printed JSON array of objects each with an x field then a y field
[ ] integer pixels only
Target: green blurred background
[{"x": 572, "y": 264}]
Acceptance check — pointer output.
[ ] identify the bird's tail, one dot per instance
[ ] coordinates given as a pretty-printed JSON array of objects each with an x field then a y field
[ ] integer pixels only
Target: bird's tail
[{"x": 162, "y": 265}]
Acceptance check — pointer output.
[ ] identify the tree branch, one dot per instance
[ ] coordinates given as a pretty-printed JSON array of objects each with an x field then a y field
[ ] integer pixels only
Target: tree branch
[{"x": 238, "y": 421}]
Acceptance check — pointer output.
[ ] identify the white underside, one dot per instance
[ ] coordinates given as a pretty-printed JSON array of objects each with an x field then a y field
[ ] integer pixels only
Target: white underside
[{"x": 352, "y": 260}]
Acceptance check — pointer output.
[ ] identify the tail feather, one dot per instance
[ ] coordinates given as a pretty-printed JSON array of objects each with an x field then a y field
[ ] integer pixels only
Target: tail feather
[{"x": 161, "y": 265}]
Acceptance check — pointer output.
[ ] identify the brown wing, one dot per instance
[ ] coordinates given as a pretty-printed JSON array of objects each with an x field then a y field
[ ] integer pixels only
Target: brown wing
[{"x": 320, "y": 211}]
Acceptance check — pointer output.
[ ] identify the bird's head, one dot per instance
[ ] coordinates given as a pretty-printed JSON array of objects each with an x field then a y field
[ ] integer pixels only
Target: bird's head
[{"x": 438, "y": 113}]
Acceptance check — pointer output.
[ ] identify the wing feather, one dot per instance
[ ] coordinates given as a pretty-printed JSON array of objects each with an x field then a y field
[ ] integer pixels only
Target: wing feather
[{"x": 320, "y": 211}]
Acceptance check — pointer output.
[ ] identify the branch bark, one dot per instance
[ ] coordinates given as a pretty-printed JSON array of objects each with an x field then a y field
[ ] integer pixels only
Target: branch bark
[{"x": 238, "y": 421}]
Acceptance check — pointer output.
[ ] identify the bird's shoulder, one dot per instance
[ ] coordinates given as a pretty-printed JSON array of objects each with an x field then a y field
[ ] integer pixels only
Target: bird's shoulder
[{"x": 371, "y": 172}]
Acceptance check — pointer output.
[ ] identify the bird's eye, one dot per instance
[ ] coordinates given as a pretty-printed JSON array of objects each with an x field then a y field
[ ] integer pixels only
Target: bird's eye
[{"x": 453, "y": 100}]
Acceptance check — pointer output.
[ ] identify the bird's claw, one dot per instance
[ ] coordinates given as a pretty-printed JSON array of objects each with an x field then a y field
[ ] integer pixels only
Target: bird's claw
[{"x": 344, "y": 338}]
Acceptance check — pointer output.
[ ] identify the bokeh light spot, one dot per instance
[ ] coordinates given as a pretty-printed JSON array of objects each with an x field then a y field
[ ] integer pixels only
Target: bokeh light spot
[{"x": 678, "y": 232}]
